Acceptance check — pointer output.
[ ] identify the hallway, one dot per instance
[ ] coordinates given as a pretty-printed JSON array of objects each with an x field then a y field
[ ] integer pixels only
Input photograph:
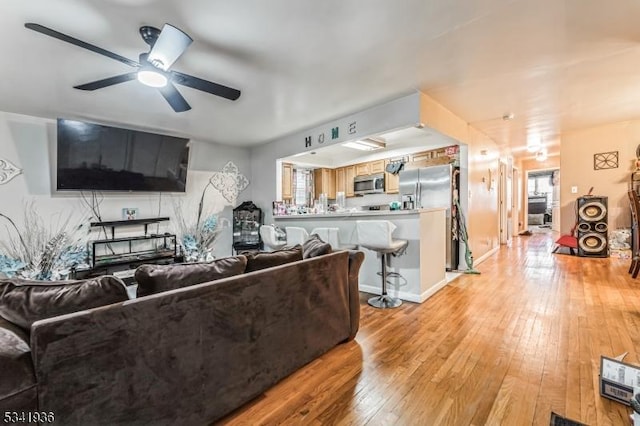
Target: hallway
[{"x": 508, "y": 346}]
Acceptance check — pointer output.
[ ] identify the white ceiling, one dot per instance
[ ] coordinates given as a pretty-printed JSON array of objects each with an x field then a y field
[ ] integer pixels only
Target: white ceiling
[{"x": 557, "y": 65}]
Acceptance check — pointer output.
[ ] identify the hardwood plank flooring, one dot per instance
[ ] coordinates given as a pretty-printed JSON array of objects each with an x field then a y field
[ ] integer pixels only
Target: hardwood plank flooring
[{"x": 508, "y": 346}]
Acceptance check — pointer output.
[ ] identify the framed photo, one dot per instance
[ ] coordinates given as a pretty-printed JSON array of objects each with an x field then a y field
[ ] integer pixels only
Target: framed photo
[
  {"x": 129, "y": 213},
  {"x": 618, "y": 379}
]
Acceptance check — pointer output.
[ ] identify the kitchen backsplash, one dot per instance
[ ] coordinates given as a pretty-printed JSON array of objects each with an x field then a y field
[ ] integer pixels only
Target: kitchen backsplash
[{"x": 372, "y": 199}]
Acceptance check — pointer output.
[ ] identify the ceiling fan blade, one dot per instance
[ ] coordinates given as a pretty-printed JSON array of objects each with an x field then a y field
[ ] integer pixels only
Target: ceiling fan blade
[
  {"x": 171, "y": 43},
  {"x": 99, "y": 84},
  {"x": 204, "y": 85},
  {"x": 55, "y": 34},
  {"x": 175, "y": 99}
]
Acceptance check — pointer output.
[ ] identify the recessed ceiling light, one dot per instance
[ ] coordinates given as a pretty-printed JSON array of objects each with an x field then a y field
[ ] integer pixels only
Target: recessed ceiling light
[{"x": 367, "y": 144}]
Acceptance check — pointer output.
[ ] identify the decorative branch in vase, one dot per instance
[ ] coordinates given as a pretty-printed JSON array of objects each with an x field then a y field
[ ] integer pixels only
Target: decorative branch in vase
[
  {"x": 197, "y": 239},
  {"x": 40, "y": 252}
]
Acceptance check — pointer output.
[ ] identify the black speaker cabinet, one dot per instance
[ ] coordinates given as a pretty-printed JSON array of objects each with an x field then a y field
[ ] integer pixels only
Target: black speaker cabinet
[{"x": 592, "y": 227}]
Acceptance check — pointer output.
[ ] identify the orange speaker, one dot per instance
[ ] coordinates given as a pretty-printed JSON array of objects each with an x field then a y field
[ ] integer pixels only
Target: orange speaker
[{"x": 592, "y": 227}]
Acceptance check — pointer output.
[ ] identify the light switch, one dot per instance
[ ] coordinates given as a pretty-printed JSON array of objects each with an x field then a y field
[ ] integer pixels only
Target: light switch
[{"x": 574, "y": 189}]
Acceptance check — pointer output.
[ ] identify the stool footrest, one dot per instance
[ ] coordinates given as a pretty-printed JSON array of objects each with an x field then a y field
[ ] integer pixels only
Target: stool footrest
[{"x": 385, "y": 301}]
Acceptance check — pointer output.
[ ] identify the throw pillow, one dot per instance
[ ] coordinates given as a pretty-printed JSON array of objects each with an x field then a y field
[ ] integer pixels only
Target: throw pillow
[
  {"x": 261, "y": 260},
  {"x": 16, "y": 366},
  {"x": 153, "y": 279},
  {"x": 314, "y": 246},
  {"x": 23, "y": 302}
]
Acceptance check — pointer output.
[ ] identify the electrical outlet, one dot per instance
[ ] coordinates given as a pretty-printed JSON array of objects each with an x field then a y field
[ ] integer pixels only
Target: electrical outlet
[{"x": 574, "y": 189}]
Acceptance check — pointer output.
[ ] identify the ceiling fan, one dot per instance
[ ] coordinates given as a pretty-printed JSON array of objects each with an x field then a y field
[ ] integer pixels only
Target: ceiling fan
[{"x": 166, "y": 46}]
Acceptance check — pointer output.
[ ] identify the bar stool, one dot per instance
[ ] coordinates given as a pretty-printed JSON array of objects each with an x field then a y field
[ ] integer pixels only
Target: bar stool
[
  {"x": 376, "y": 235},
  {"x": 332, "y": 236},
  {"x": 270, "y": 238},
  {"x": 296, "y": 235}
]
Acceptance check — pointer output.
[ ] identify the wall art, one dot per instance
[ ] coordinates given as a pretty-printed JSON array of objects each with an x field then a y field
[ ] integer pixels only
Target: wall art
[
  {"x": 230, "y": 182},
  {"x": 605, "y": 160},
  {"x": 8, "y": 171}
]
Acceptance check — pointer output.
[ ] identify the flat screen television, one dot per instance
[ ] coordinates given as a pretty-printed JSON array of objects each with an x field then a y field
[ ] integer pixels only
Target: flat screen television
[{"x": 102, "y": 158}]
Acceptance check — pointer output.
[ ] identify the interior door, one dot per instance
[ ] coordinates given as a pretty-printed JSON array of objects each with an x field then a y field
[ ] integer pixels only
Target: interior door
[{"x": 504, "y": 204}]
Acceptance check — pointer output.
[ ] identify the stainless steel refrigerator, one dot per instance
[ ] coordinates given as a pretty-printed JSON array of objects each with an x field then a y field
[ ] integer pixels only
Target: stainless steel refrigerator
[{"x": 431, "y": 187}]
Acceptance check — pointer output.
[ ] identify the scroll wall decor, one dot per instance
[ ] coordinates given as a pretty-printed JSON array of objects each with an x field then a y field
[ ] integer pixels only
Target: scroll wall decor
[
  {"x": 8, "y": 171},
  {"x": 605, "y": 160},
  {"x": 230, "y": 182}
]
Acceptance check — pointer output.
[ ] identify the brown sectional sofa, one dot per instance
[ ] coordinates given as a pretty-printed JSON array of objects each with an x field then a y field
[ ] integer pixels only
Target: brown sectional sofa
[{"x": 186, "y": 356}]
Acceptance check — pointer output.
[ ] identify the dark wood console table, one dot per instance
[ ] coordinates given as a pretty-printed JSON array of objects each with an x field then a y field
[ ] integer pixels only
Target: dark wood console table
[
  {"x": 117, "y": 223},
  {"x": 118, "y": 255}
]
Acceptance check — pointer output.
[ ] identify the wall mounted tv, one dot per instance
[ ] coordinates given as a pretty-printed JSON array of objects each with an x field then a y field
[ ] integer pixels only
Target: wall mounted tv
[{"x": 102, "y": 158}]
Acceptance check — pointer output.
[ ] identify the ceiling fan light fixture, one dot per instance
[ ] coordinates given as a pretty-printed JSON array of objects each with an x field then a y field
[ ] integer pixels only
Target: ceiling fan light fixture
[
  {"x": 152, "y": 78},
  {"x": 534, "y": 142},
  {"x": 170, "y": 45}
]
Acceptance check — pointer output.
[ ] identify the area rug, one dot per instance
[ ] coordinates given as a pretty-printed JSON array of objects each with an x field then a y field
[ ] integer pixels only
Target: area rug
[{"x": 557, "y": 420}]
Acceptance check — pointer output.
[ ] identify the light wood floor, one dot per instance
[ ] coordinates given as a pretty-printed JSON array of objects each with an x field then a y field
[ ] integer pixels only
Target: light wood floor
[{"x": 505, "y": 347}]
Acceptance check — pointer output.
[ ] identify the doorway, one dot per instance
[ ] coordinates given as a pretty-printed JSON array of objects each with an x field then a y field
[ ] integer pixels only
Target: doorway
[{"x": 542, "y": 200}]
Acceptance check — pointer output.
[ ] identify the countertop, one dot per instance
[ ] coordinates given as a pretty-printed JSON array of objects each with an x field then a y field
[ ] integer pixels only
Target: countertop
[{"x": 358, "y": 213}]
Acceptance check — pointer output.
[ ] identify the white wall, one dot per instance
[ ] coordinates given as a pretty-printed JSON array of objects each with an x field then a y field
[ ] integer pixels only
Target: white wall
[
  {"x": 393, "y": 115},
  {"x": 30, "y": 143}
]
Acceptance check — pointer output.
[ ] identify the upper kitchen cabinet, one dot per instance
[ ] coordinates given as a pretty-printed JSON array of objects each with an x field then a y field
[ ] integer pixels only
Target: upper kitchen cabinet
[
  {"x": 421, "y": 156},
  {"x": 325, "y": 182},
  {"x": 363, "y": 169},
  {"x": 377, "y": 166},
  {"x": 434, "y": 157},
  {"x": 287, "y": 181},
  {"x": 340, "y": 180},
  {"x": 370, "y": 168},
  {"x": 349, "y": 175},
  {"x": 391, "y": 182}
]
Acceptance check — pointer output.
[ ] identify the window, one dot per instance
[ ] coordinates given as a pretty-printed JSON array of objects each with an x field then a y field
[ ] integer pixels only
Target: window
[
  {"x": 539, "y": 184},
  {"x": 302, "y": 187}
]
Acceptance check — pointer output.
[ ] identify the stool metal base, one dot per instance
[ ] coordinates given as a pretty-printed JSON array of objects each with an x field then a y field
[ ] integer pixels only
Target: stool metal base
[{"x": 384, "y": 302}]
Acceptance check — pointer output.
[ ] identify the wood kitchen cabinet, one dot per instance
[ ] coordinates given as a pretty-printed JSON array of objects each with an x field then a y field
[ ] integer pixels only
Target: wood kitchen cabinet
[
  {"x": 349, "y": 175},
  {"x": 340, "y": 180},
  {"x": 370, "y": 168},
  {"x": 287, "y": 181},
  {"x": 363, "y": 169},
  {"x": 325, "y": 182},
  {"x": 421, "y": 156},
  {"x": 391, "y": 182},
  {"x": 377, "y": 166}
]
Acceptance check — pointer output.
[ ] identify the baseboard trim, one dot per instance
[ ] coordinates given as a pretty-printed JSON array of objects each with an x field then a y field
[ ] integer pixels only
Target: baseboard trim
[
  {"x": 485, "y": 256},
  {"x": 409, "y": 297}
]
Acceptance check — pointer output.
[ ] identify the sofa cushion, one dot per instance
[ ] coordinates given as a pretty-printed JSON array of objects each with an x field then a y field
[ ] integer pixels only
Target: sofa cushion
[
  {"x": 17, "y": 387},
  {"x": 268, "y": 259},
  {"x": 153, "y": 279},
  {"x": 314, "y": 246},
  {"x": 23, "y": 302}
]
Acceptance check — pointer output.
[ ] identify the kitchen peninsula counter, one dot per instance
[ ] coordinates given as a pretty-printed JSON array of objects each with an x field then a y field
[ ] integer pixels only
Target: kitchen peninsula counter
[
  {"x": 348, "y": 214},
  {"x": 422, "y": 267}
]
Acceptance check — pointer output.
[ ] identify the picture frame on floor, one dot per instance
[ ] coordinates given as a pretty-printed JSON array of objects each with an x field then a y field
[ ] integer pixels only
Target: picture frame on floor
[{"x": 617, "y": 379}]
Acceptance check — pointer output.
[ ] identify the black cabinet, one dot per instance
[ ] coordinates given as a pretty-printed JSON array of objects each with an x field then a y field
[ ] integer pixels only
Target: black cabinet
[{"x": 247, "y": 219}]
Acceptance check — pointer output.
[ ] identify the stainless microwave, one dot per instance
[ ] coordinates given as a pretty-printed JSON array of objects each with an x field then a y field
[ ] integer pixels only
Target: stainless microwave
[{"x": 370, "y": 184}]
